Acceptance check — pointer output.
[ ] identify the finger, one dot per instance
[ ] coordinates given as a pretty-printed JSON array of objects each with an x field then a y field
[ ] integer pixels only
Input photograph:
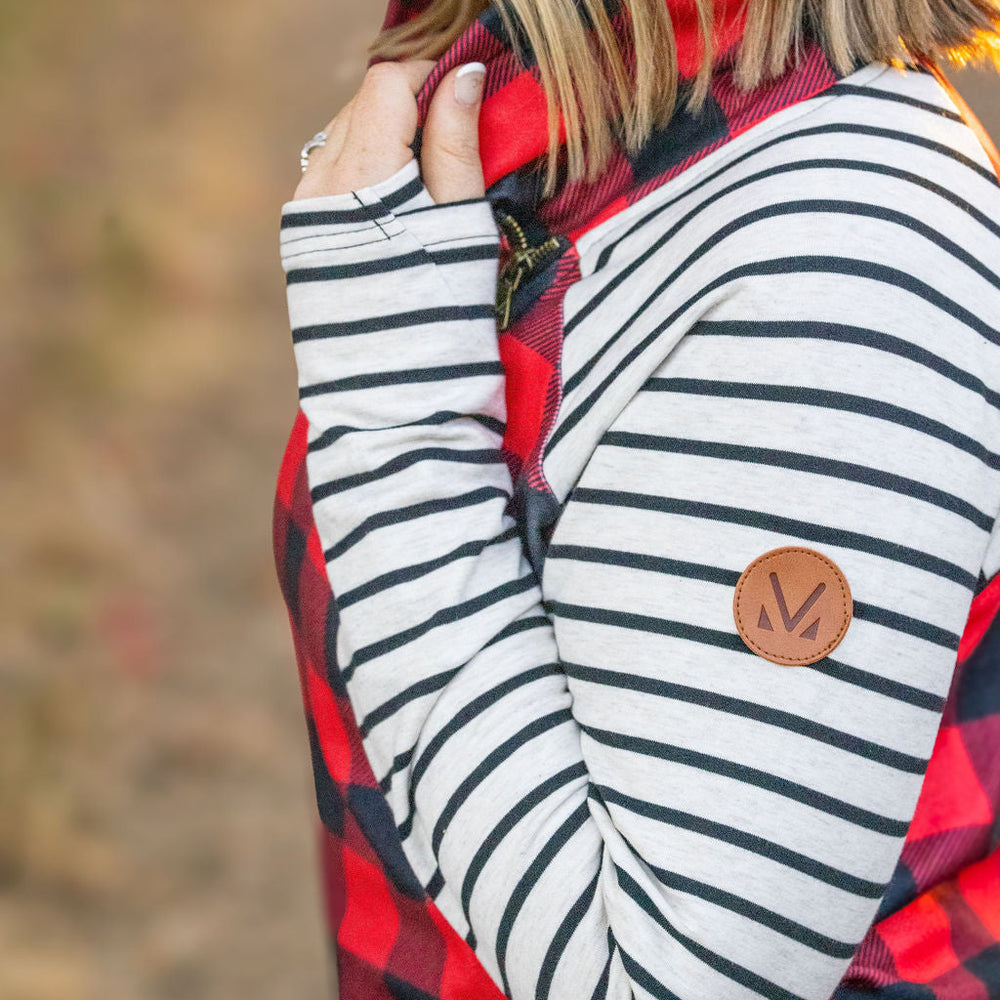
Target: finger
[
  {"x": 382, "y": 124},
  {"x": 323, "y": 175},
  {"x": 317, "y": 179},
  {"x": 322, "y": 158},
  {"x": 417, "y": 70},
  {"x": 336, "y": 132},
  {"x": 449, "y": 153}
]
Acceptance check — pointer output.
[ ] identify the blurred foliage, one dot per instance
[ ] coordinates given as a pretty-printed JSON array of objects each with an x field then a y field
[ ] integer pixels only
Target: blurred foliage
[{"x": 156, "y": 806}]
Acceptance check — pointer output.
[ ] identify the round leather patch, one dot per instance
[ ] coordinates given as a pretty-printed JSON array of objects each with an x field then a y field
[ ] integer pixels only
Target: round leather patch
[{"x": 792, "y": 605}]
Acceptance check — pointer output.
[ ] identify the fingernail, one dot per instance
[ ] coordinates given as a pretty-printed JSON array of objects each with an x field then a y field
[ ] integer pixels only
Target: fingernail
[{"x": 469, "y": 83}]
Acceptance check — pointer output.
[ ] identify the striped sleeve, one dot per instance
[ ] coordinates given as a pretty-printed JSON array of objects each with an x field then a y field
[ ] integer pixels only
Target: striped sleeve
[
  {"x": 603, "y": 790},
  {"x": 446, "y": 653}
]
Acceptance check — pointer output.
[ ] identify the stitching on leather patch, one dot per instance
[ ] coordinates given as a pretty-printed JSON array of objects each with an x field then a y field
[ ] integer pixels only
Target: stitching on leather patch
[{"x": 751, "y": 635}]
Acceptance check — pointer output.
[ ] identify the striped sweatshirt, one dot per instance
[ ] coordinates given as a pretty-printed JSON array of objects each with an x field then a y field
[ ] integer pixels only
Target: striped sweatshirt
[{"x": 793, "y": 342}]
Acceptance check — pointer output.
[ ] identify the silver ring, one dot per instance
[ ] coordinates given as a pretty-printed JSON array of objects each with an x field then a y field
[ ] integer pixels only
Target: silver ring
[{"x": 319, "y": 139}]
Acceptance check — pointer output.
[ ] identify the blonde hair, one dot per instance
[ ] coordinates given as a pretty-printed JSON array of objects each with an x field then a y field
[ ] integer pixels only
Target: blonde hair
[{"x": 589, "y": 79}]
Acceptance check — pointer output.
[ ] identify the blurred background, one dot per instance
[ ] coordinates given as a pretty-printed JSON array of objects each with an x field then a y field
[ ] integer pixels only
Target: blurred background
[{"x": 156, "y": 803}]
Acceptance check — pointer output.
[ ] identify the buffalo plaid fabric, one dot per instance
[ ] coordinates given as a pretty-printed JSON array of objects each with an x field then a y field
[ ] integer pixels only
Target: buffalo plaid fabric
[
  {"x": 937, "y": 933},
  {"x": 390, "y": 940}
]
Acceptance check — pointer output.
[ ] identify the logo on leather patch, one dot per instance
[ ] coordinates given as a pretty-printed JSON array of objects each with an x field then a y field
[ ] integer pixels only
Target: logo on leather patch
[{"x": 792, "y": 605}]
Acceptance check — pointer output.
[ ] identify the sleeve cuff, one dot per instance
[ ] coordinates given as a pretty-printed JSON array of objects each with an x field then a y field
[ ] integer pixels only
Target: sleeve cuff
[
  {"x": 354, "y": 221},
  {"x": 390, "y": 189},
  {"x": 382, "y": 220}
]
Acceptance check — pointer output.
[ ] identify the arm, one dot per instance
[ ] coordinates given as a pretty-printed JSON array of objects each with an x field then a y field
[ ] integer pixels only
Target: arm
[
  {"x": 444, "y": 644},
  {"x": 566, "y": 861}
]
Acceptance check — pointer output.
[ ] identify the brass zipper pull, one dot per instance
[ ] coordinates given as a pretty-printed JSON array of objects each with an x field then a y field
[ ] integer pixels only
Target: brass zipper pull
[{"x": 524, "y": 259}]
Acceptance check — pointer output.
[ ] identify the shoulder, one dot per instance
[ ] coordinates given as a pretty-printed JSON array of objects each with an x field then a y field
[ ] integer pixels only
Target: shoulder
[
  {"x": 884, "y": 141},
  {"x": 869, "y": 213},
  {"x": 876, "y": 196},
  {"x": 866, "y": 224},
  {"x": 902, "y": 114},
  {"x": 883, "y": 148}
]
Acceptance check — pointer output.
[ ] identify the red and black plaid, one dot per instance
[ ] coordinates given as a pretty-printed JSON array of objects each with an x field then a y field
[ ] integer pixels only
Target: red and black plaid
[{"x": 937, "y": 932}]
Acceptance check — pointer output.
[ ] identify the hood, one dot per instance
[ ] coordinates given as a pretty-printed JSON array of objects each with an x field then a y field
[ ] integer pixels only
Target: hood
[{"x": 513, "y": 129}]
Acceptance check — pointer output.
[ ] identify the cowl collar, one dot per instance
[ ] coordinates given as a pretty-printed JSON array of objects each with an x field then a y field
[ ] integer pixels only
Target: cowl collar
[{"x": 513, "y": 129}]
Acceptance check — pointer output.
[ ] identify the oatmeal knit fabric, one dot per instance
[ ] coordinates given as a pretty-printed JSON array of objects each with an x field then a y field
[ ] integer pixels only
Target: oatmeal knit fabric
[{"x": 547, "y": 764}]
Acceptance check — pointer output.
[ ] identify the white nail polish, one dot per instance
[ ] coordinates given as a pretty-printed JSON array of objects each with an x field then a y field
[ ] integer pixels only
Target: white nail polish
[{"x": 469, "y": 83}]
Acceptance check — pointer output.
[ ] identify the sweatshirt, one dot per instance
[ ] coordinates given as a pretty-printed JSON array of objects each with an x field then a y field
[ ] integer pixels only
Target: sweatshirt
[{"x": 544, "y": 737}]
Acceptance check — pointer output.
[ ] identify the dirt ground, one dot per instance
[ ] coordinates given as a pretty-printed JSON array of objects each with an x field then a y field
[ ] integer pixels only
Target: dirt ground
[{"x": 156, "y": 806}]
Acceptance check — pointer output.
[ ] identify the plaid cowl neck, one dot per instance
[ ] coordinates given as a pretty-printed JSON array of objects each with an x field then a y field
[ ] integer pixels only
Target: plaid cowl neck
[{"x": 513, "y": 121}]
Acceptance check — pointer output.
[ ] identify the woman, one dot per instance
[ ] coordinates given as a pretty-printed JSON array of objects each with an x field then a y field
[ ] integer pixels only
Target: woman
[{"x": 627, "y": 584}]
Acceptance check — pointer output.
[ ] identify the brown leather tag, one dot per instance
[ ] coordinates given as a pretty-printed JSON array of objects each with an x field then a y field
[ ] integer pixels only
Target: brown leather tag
[{"x": 792, "y": 605}]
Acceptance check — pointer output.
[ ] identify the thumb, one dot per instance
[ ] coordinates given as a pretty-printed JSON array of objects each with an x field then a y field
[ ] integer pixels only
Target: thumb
[{"x": 449, "y": 150}]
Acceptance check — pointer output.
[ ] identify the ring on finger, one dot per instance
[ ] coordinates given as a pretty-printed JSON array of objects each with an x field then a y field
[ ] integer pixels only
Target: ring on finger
[{"x": 319, "y": 139}]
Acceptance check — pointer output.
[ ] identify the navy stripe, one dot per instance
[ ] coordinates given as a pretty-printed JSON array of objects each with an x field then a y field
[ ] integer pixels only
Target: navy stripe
[
  {"x": 780, "y": 719},
  {"x": 793, "y": 790},
  {"x": 482, "y": 200},
  {"x": 399, "y": 763},
  {"x": 729, "y": 578},
  {"x": 419, "y": 690},
  {"x": 782, "y": 525},
  {"x": 827, "y": 874},
  {"x": 358, "y": 268},
  {"x": 731, "y": 970},
  {"x": 802, "y": 264},
  {"x": 886, "y": 686},
  {"x": 462, "y": 255},
  {"x": 753, "y": 911},
  {"x": 333, "y": 434},
  {"x": 801, "y": 462},
  {"x": 526, "y": 624},
  {"x": 362, "y": 213},
  {"x": 537, "y": 727},
  {"x": 396, "y": 199},
  {"x": 413, "y": 571},
  {"x": 887, "y": 95},
  {"x": 436, "y": 884},
  {"x": 394, "y": 321},
  {"x": 869, "y": 270},
  {"x": 642, "y": 977},
  {"x": 399, "y": 515},
  {"x": 511, "y": 818},
  {"x": 840, "y": 333},
  {"x": 561, "y": 938},
  {"x": 839, "y": 128},
  {"x": 376, "y": 380},
  {"x": 849, "y": 128},
  {"x": 826, "y": 399},
  {"x": 643, "y": 561},
  {"x": 601, "y": 989},
  {"x": 462, "y": 718},
  {"x": 887, "y": 618},
  {"x": 574, "y": 822},
  {"x": 444, "y": 616},
  {"x": 336, "y": 217},
  {"x": 481, "y": 456}
]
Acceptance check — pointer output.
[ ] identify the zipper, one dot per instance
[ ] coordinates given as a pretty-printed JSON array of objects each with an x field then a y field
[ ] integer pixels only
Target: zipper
[{"x": 525, "y": 260}]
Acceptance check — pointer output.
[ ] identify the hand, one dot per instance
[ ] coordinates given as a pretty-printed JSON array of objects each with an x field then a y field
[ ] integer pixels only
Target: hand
[{"x": 369, "y": 139}]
